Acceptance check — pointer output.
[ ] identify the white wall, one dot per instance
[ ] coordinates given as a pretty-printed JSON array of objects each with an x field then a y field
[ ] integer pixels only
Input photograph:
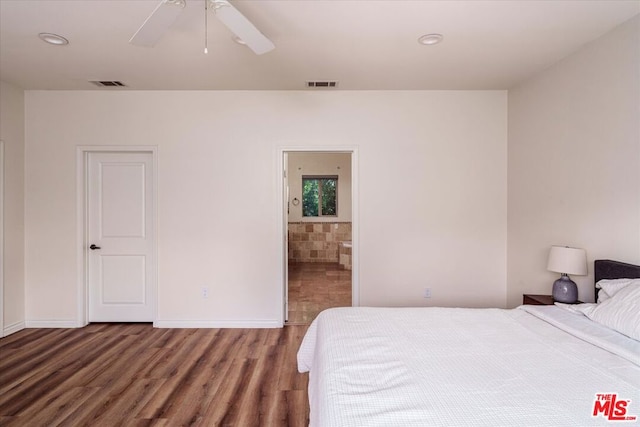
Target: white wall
[
  {"x": 12, "y": 133},
  {"x": 574, "y": 162},
  {"x": 432, "y": 185},
  {"x": 310, "y": 163},
  {"x": 432, "y": 190}
]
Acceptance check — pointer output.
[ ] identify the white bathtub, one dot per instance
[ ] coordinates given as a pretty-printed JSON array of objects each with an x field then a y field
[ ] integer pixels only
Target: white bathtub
[{"x": 344, "y": 254}]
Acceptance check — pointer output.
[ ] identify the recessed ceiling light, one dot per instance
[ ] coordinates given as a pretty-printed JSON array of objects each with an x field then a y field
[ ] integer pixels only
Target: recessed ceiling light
[
  {"x": 53, "y": 39},
  {"x": 430, "y": 39}
]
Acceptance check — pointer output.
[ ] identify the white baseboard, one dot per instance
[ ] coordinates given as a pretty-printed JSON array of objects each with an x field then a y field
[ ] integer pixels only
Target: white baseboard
[
  {"x": 208, "y": 324},
  {"x": 51, "y": 324},
  {"x": 13, "y": 328},
  {"x": 217, "y": 324}
]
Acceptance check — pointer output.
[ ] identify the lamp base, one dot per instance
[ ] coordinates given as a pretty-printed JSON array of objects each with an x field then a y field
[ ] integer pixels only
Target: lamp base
[{"x": 565, "y": 290}]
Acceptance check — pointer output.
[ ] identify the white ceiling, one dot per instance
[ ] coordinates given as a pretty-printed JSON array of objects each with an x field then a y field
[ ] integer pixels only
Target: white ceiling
[{"x": 362, "y": 44}]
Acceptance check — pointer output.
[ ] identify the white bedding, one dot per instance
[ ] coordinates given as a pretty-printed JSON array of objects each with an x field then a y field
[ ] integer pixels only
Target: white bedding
[{"x": 464, "y": 367}]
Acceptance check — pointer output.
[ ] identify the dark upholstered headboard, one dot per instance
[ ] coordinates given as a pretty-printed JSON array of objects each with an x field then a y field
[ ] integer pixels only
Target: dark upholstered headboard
[{"x": 608, "y": 269}]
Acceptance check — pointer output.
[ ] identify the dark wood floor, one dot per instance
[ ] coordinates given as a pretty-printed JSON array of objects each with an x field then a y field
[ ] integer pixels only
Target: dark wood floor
[
  {"x": 135, "y": 375},
  {"x": 314, "y": 287}
]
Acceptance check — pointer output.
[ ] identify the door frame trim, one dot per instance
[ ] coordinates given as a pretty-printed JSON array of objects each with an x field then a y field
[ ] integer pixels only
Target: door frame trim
[
  {"x": 355, "y": 218},
  {"x": 2, "y": 310},
  {"x": 82, "y": 155}
]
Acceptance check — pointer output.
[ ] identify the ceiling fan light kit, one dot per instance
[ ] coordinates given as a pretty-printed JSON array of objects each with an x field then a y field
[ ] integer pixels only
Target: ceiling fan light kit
[{"x": 168, "y": 11}]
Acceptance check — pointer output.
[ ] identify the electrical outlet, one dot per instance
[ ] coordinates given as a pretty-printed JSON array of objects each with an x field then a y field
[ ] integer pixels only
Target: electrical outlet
[
  {"x": 427, "y": 293},
  {"x": 205, "y": 292}
]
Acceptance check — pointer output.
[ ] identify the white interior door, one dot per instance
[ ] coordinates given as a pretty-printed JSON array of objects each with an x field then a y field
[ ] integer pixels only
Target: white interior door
[
  {"x": 285, "y": 189},
  {"x": 121, "y": 237}
]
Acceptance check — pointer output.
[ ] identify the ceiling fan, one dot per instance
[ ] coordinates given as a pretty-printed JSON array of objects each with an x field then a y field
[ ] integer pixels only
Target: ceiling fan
[{"x": 167, "y": 11}]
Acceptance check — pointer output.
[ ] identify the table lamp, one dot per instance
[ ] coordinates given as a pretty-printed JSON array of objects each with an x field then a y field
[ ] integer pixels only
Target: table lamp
[{"x": 566, "y": 260}]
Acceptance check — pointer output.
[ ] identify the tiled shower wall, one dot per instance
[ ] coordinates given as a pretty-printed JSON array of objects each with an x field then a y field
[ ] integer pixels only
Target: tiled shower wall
[{"x": 317, "y": 241}]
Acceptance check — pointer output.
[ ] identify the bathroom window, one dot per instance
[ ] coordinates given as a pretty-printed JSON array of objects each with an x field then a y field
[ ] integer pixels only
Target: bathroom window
[{"x": 319, "y": 196}]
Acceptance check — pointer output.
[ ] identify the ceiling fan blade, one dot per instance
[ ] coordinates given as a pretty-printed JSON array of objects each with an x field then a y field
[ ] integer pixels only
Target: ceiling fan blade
[
  {"x": 241, "y": 27},
  {"x": 158, "y": 23}
]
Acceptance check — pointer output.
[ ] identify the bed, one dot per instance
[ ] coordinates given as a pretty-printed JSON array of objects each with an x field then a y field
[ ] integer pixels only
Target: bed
[{"x": 529, "y": 366}]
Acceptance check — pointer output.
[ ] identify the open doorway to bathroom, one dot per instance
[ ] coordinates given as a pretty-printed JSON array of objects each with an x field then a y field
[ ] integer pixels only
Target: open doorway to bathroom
[{"x": 319, "y": 228}]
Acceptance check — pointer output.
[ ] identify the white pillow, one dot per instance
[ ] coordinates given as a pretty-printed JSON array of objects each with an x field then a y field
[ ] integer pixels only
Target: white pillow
[
  {"x": 609, "y": 287},
  {"x": 620, "y": 312}
]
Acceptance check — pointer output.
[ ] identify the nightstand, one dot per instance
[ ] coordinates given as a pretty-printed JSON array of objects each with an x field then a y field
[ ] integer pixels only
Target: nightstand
[{"x": 540, "y": 299}]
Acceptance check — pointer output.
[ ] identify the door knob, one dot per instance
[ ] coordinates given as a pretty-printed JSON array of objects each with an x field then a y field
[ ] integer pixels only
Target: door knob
[{"x": 94, "y": 247}]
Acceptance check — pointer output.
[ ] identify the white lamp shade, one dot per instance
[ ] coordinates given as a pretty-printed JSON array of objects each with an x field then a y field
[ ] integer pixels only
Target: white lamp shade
[{"x": 567, "y": 260}]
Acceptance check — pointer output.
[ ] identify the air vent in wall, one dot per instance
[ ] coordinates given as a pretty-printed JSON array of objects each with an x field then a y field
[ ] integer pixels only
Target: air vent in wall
[
  {"x": 322, "y": 84},
  {"x": 108, "y": 83}
]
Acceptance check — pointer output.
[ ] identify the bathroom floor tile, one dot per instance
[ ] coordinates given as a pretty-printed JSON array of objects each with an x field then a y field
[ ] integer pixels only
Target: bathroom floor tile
[{"x": 314, "y": 287}]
